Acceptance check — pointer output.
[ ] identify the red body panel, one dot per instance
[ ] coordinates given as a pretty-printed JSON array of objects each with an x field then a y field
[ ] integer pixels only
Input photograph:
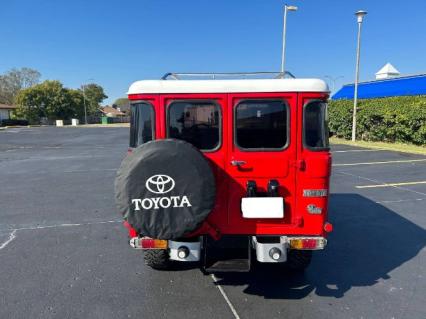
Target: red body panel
[{"x": 296, "y": 168}]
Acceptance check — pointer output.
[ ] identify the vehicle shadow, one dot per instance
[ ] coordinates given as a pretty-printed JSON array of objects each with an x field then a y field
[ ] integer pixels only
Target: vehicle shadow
[{"x": 368, "y": 242}]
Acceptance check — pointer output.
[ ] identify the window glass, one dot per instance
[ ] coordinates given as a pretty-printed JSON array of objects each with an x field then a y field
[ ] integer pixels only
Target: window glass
[
  {"x": 316, "y": 126},
  {"x": 261, "y": 124},
  {"x": 141, "y": 124},
  {"x": 196, "y": 122}
]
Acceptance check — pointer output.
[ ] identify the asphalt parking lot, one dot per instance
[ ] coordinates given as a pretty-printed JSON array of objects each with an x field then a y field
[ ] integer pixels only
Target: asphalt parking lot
[{"x": 64, "y": 253}]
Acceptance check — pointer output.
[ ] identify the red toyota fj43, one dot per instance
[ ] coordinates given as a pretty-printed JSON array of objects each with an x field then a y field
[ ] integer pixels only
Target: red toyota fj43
[{"x": 220, "y": 170}]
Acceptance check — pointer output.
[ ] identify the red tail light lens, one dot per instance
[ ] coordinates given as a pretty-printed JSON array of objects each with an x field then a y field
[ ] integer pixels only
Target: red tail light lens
[
  {"x": 149, "y": 243},
  {"x": 311, "y": 243}
]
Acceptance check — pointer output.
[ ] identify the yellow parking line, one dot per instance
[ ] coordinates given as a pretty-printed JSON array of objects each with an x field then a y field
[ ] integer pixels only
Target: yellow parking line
[
  {"x": 385, "y": 162},
  {"x": 391, "y": 184}
]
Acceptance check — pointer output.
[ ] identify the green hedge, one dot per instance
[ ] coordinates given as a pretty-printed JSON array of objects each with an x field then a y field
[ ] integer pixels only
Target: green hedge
[{"x": 394, "y": 119}]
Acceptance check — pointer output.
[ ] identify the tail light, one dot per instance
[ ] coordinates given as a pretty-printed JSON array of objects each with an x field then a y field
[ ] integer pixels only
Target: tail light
[
  {"x": 148, "y": 243},
  {"x": 308, "y": 243}
]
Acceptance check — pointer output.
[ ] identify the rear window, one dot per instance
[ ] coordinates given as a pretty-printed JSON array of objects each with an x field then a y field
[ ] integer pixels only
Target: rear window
[
  {"x": 261, "y": 124},
  {"x": 315, "y": 125},
  {"x": 197, "y": 122},
  {"x": 141, "y": 123}
]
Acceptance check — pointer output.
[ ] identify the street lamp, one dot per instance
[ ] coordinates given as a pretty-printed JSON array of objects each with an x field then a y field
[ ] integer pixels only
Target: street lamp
[
  {"x": 360, "y": 15},
  {"x": 84, "y": 100},
  {"x": 333, "y": 80},
  {"x": 286, "y": 9}
]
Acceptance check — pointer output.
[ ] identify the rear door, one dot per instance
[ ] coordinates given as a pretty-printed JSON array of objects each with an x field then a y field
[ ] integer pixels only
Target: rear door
[
  {"x": 262, "y": 147},
  {"x": 200, "y": 119}
]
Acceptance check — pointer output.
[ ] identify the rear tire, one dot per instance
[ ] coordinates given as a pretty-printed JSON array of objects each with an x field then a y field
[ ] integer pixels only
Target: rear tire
[
  {"x": 298, "y": 260},
  {"x": 157, "y": 258}
]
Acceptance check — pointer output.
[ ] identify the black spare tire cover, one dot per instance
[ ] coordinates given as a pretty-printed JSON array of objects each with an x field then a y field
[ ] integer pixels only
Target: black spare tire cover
[{"x": 165, "y": 189}]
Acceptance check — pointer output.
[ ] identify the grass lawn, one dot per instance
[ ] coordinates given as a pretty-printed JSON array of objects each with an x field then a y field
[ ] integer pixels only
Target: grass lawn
[{"x": 399, "y": 147}]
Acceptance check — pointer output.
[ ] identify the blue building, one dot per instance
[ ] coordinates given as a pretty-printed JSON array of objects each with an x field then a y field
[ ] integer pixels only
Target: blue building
[{"x": 388, "y": 83}]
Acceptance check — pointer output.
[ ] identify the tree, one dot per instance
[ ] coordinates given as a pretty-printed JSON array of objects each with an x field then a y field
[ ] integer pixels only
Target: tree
[
  {"x": 123, "y": 103},
  {"x": 49, "y": 99},
  {"x": 94, "y": 95},
  {"x": 15, "y": 80}
]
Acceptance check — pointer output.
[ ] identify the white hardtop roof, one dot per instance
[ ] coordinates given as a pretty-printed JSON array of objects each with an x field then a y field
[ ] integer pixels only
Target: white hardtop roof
[{"x": 227, "y": 86}]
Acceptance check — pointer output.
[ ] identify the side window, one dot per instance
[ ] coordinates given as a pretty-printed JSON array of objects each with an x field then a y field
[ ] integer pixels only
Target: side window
[
  {"x": 261, "y": 124},
  {"x": 197, "y": 122},
  {"x": 141, "y": 123},
  {"x": 315, "y": 131}
]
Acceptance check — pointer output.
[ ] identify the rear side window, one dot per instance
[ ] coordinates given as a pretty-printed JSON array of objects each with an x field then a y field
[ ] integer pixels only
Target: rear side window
[
  {"x": 141, "y": 123},
  {"x": 315, "y": 125},
  {"x": 197, "y": 122},
  {"x": 261, "y": 124}
]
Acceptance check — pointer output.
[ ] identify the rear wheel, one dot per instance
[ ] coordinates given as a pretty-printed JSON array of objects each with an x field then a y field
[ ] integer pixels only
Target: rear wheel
[
  {"x": 298, "y": 260},
  {"x": 157, "y": 258}
]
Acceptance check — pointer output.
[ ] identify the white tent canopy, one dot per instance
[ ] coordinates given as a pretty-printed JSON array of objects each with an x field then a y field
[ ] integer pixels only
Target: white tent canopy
[{"x": 386, "y": 72}]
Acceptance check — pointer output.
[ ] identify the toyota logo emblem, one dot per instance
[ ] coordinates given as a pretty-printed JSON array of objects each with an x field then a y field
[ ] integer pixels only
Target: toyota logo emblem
[{"x": 160, "y": 184}]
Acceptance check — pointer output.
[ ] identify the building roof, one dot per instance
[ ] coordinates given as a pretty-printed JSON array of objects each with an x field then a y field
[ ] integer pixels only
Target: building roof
[
  {"x": 112, "y": 111},
  {"x": 227, "y": 86},
  {"x": 405, "y": 85},
  {"x": 8, "y": 107}
]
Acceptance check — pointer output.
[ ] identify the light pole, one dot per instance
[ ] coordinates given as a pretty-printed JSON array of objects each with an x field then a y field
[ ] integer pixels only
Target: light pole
[
  {"x": 333, "y": 80},
  {"x": 286, "y": 9},
  {"x": 360, "y": 15},
  {"x": 84, "y": 101}
]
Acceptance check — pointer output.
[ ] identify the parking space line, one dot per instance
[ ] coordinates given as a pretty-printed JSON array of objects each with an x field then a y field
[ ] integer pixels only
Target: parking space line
[
  {"x": 14, "y": 231},
  {"x": 391, "y": 184},
  {"x": 225, "y": 296},
  {"x": 384, "y": 162},
  {"x": 400, "y": 201},
  {"x": 380, "y": 182},
  {"x": 357, "y": 150},
  {"x": 91, "y": 170},
  {"x": 12, "y": 236}
]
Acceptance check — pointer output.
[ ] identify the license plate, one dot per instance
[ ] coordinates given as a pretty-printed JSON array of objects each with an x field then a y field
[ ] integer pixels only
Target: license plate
[{"x": 262, "y": 207}]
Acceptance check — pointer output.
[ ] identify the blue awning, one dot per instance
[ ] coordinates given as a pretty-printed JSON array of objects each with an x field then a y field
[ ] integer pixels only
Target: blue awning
[{"x": 409, "y": 85}]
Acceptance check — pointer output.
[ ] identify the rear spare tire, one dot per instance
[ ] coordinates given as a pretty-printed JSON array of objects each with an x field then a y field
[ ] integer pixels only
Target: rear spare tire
[{"x": 165, "y": 189}]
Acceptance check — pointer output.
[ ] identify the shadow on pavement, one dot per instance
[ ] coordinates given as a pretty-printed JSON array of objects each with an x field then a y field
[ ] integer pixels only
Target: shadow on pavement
[{"x": 368, "y": 242}]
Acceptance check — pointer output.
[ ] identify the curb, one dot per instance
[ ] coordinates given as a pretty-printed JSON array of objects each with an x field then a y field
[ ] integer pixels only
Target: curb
[{"x": 383, "y": 146}]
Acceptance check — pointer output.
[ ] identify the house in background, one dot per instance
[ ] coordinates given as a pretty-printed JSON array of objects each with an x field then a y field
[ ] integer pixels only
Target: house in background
[
  {"x": 388, "y": 83},
  {"x": 5, "y": 111},
  {"x": 110, "y": 111}
]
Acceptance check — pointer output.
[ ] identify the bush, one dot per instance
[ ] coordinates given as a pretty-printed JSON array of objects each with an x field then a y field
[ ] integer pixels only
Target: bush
[
  {"x": 394, "y": 119},
  {"x": 13, "y": 122}
]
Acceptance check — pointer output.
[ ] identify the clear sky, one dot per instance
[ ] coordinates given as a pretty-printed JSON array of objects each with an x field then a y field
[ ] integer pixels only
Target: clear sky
[{"x": 117, "y": 42}]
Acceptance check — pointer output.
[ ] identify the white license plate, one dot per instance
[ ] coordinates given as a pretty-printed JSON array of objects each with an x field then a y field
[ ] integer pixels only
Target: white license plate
[{"x": 262, "y": 207}]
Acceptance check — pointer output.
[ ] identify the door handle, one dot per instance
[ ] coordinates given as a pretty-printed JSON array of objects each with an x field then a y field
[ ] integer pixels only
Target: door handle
[{"x": 238, "y": 163}]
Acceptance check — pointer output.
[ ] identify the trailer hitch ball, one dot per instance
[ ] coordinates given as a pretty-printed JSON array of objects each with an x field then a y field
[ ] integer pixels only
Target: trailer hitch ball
[
  {"x": 275, "y": 253},
  {"x": 183, "y": 252}
]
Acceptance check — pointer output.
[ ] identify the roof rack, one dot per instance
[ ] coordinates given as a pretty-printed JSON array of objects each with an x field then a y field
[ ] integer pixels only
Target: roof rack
[{"x": 235, "y": 75}]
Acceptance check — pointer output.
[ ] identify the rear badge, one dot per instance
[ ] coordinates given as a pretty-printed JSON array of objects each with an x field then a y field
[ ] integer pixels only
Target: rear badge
[
  {"x": 314, "y": 193},
  {"x": 160, "y": 184},
  {"x": 312, "y": 209}
]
